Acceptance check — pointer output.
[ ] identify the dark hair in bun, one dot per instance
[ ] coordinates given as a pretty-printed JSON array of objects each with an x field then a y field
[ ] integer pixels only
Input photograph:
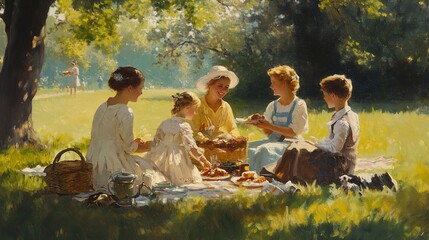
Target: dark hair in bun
[{"x": 123, "y": 77}]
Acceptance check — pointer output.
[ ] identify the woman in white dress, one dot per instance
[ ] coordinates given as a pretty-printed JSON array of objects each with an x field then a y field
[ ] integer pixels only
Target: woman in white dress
[
  {"x": 112, "y": 141},
  {"x": 174, "y": 149},
  {"x": 285, "y": 117},
  {"x": 73, "y": 74}
]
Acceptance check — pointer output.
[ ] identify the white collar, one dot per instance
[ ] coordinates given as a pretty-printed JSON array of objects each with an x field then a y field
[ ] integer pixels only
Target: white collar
[
  {"x": 339, "y": 114},
  {"x": 278, "y": 101}
]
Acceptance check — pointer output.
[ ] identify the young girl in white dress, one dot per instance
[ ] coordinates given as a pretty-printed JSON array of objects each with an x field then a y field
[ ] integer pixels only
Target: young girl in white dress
[
  {"x": 112, "y": 141},
  {"x": 174, "y": 149}
]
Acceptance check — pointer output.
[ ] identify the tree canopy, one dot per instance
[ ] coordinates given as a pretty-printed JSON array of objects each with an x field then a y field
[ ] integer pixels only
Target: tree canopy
[{"x": 381, "y": 45}]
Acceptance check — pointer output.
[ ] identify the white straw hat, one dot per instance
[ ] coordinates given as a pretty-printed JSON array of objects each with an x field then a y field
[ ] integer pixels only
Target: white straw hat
[{"x": 217, "y": 71}]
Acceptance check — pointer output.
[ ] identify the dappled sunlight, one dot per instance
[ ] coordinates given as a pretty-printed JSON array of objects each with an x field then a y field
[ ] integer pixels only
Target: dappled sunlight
[{"x": 315, "y": 211}]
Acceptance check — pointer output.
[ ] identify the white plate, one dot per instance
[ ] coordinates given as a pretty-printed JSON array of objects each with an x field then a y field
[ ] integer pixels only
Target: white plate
[
  {"x": 207, "y": 178},
  {"x": 247, "y": 184}
]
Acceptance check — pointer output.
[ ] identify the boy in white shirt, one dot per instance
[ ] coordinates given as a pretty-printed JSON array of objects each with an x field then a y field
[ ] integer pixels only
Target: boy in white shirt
[{"x": 344, "y": 126}]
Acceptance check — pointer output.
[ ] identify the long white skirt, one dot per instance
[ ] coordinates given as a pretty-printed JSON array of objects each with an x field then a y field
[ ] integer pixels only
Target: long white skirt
[{"x": 264, "y": 152}]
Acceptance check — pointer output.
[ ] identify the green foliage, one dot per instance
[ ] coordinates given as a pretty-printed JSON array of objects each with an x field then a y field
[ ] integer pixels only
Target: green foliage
[
  {"x": 95, "y": 23},
  {"x": 374, "y": 8},
  {"x": 352, "y": 52},
  {"x": 382, "y": 45}
]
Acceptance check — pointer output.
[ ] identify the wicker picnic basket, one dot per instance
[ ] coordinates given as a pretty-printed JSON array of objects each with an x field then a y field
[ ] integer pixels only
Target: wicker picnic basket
[{"x": 70, "y": 176}]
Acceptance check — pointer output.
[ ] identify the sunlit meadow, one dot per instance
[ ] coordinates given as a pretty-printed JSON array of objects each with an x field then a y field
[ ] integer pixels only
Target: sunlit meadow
[{"x": 317, "y": 213}]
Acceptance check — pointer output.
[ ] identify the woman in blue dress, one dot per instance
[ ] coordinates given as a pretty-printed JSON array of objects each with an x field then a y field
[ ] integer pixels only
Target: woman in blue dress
[{"x": 285, "y": 117}]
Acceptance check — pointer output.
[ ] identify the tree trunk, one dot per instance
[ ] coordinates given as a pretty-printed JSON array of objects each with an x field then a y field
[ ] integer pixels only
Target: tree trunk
[{"x": 19, "y": 76}]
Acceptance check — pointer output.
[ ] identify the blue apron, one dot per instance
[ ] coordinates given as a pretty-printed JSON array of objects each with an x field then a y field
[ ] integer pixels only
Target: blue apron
[
  {"x": 267, "y": 151},
  {"x": 276, "y": 117}
]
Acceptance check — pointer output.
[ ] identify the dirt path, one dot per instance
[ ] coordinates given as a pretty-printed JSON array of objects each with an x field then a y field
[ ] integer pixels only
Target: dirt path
[{"x": 51, "y": 95}]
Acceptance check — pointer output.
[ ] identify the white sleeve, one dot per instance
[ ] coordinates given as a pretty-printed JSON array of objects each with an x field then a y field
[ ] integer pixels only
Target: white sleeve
[
  {"x": 269, "y": 112},
  {"x": 125, "y": 124},
  {"x": 299, "y": 122},
  {"x": 96, "y": 120},
  {"x": 158, "y": 137},
  {"x": 188, "y": 138},
  {"x": 336, "y": 144}
]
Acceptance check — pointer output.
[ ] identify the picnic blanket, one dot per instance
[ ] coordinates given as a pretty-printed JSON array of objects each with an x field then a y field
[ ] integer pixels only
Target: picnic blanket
[
  {"x": 381, "y": 163},
  {"x": 205, "y": 189},
  {"x": 224, "y": 188}
]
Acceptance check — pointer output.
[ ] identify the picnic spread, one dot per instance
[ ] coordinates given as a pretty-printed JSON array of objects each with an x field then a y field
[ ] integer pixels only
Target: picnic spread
[
  {"x": 249, "y": 183},
  {"x": 217, "y": 184},
  {"x": 206, "y": 189},
  {"x": 223, "y": 180}
]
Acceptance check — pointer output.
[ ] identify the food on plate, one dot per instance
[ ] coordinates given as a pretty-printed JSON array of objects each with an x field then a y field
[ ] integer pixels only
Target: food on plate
[
  {"x": 248, "y": 174},
  {"x": 255, "y": 116},
  {"x": 260, "y": 179},
  {"x": 214, "y": 172},
  {"x": 251, "y": 177}
]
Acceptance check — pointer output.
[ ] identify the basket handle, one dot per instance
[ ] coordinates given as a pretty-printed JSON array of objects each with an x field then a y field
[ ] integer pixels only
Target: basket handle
[{"x": 76, "y": 150}]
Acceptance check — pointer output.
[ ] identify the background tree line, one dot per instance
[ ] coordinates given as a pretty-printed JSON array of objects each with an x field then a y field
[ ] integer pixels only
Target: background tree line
[{"x": 382, "y": 45}]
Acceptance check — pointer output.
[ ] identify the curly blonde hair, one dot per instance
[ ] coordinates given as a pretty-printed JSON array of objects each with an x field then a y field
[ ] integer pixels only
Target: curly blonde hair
[
  {"x": 184, "y": 99},
  {"x": 285, "y": 73}
]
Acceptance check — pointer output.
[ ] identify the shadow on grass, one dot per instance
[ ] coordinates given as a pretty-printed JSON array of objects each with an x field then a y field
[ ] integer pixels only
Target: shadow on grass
[
  {"x": 33, "y": 213},
  {"x": 365, "y": 230}
]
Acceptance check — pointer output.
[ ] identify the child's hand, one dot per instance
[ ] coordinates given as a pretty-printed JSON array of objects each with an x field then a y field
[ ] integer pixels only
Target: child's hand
[
  {"x": 262, "y": 123},
  {"x": 207, "y": 164},
  {"x": 147, "y": 145},
  {"x": 143, "y": 146}
]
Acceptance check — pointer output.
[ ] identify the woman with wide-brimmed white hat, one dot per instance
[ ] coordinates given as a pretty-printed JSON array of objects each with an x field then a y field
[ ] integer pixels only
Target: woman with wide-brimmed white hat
[{"x": 214, "y": 117}]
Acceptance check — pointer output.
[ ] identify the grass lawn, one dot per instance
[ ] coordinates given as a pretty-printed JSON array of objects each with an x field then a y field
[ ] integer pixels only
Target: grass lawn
[{"x": 28, "y": 212}]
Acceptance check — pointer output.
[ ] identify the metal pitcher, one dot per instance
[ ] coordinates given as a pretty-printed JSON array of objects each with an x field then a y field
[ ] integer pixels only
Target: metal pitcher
[{"x": 121, "y": 187}]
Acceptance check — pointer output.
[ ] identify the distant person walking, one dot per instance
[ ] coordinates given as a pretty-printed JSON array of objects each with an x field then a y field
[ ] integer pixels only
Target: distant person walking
[
  {"x": 84, "y": 83},
  {"x": 73, "y": 74},
  {"x": 100, "y": 82}
]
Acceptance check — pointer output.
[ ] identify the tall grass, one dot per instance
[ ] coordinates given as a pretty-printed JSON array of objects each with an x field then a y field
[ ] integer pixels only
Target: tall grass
[{"x": 317, "y": 213}]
